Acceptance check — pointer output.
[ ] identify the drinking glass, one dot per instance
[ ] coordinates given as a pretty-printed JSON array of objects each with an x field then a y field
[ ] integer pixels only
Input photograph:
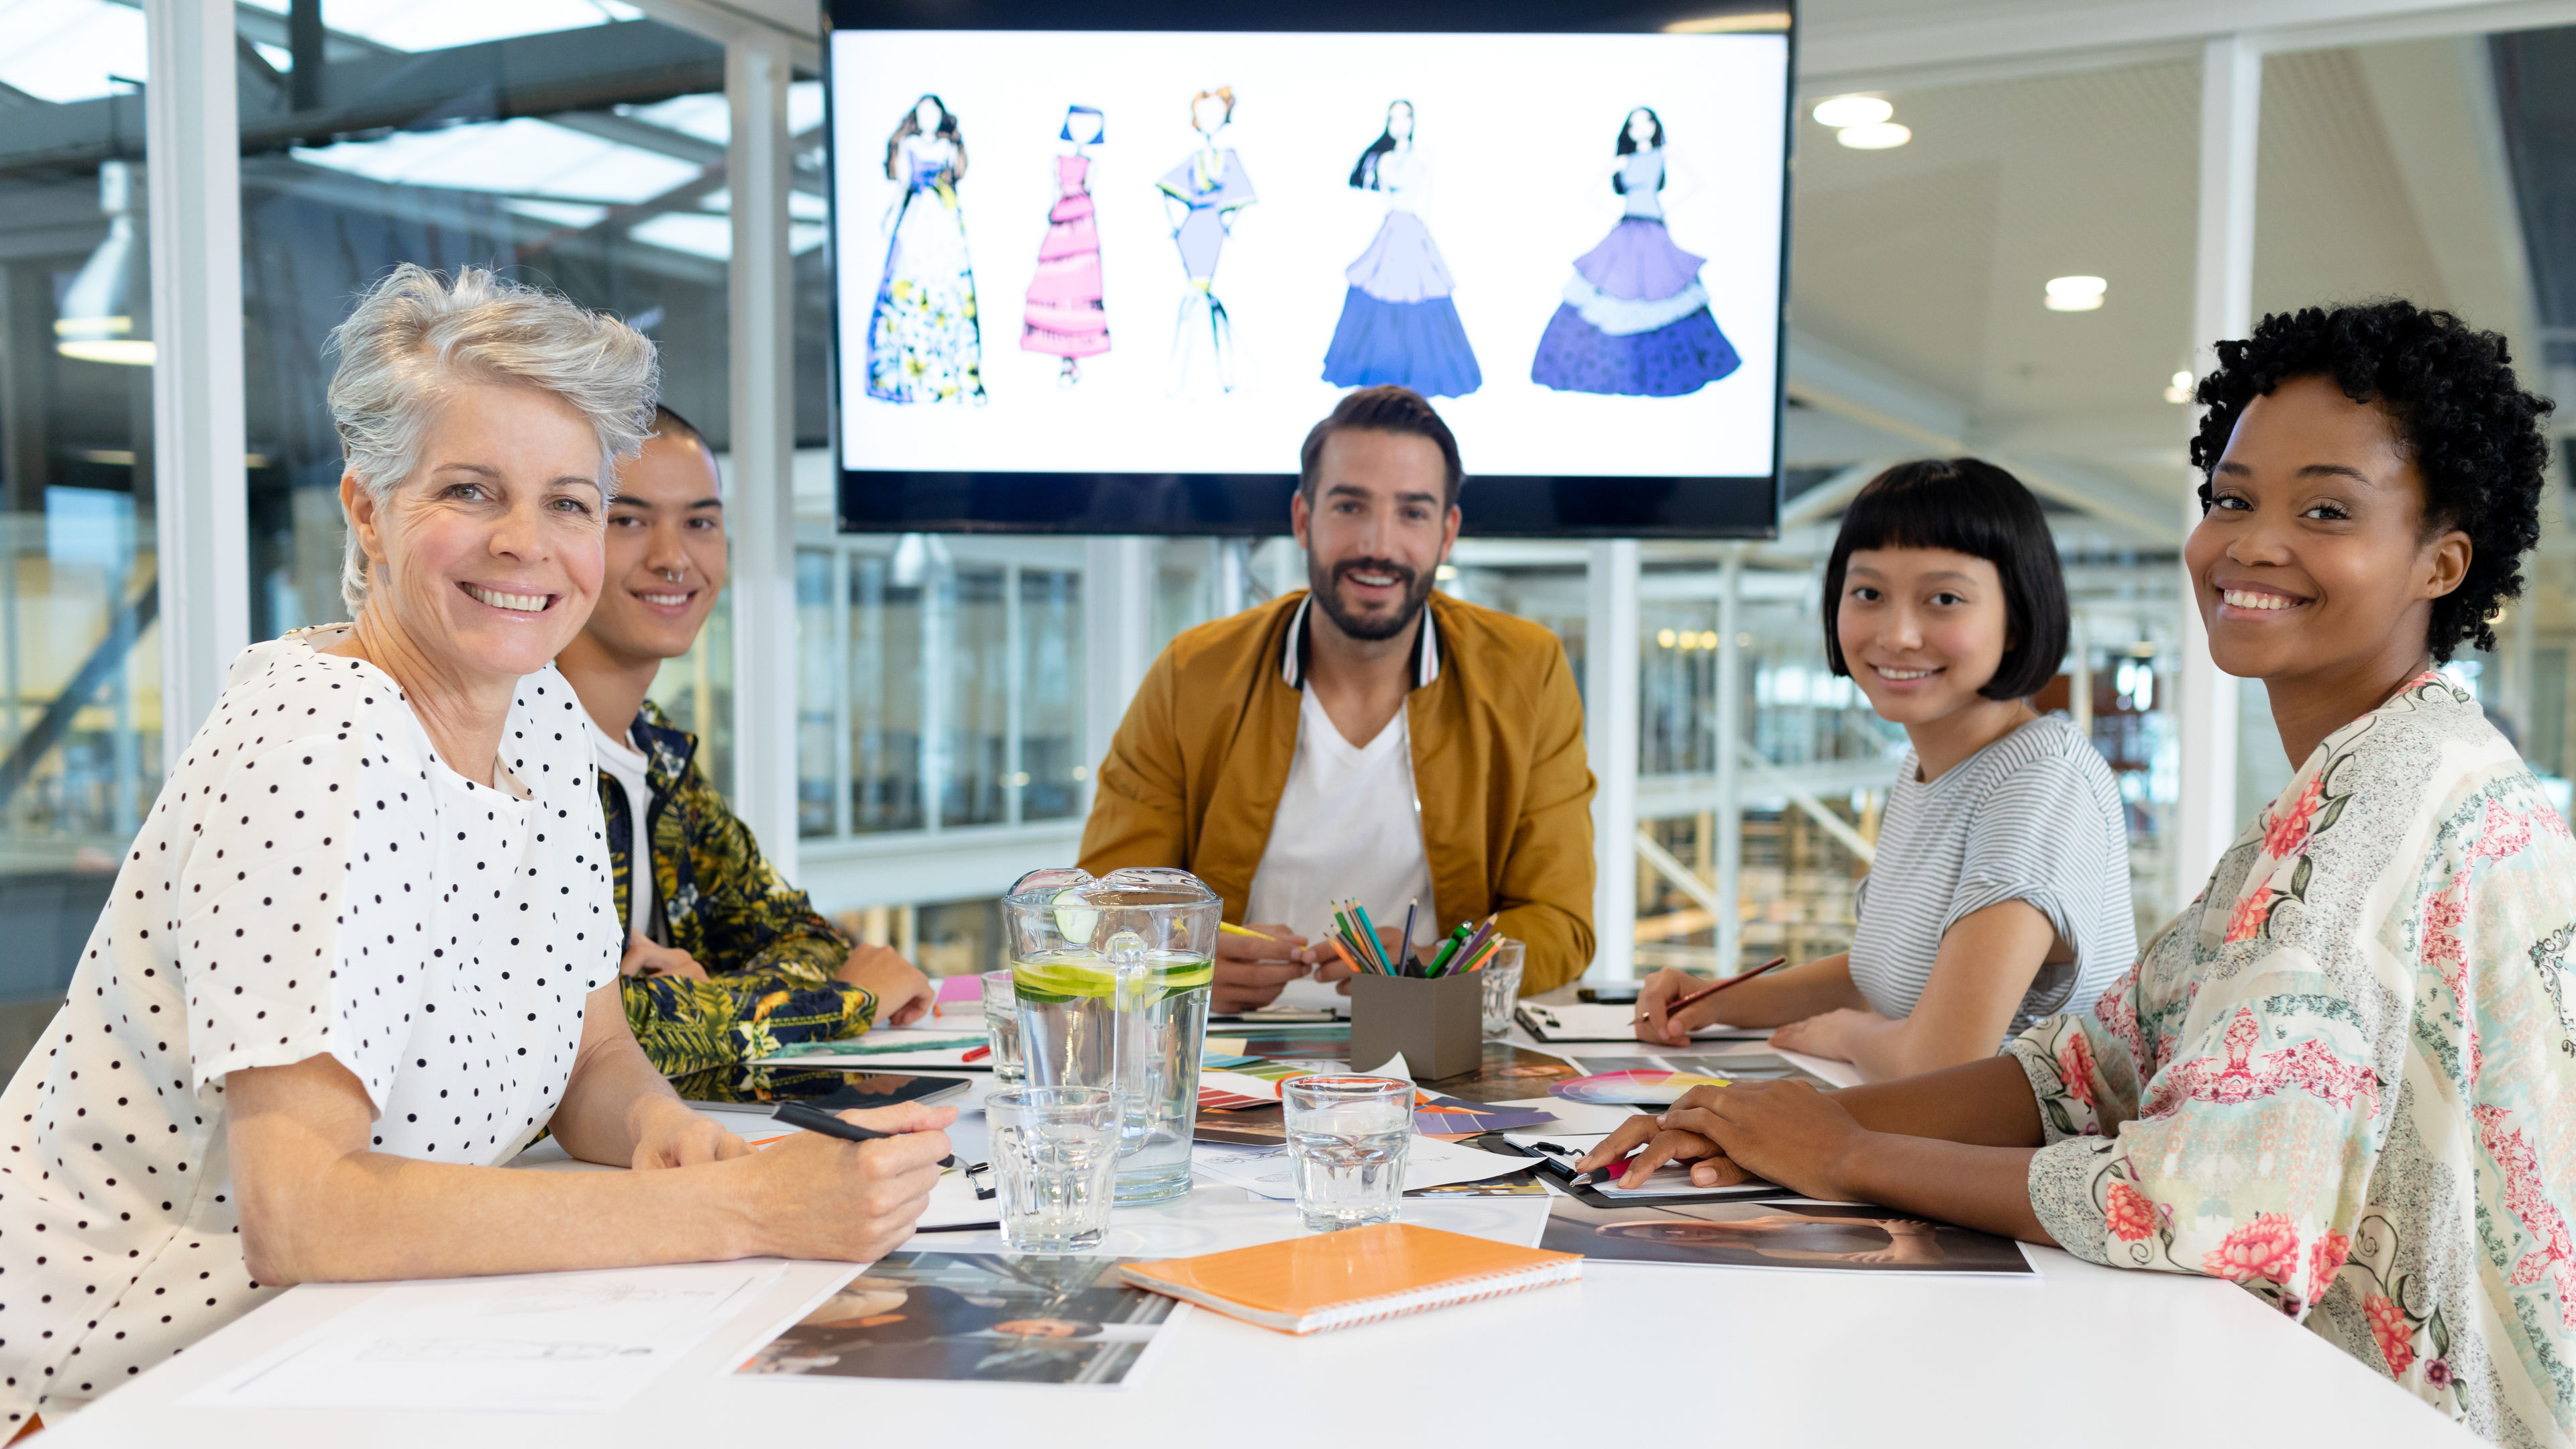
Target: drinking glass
[
  {"x": 1002, "y": 1029},
  {"x": 1347, "y": 1141},
  {"x": 1502, "y": 982},
  {"x": 1055, "y": 1156}
]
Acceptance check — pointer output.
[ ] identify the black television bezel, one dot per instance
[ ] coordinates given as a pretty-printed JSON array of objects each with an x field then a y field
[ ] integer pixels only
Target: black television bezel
[{"x": 1255, "y": 505}]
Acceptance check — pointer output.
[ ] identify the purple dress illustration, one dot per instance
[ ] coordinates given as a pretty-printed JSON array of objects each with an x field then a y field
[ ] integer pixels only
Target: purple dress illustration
[
  {"x": 1398, "y": 323},
  {"x": 1635, "y": 321},
  {"x": 1202, "y": 195}
]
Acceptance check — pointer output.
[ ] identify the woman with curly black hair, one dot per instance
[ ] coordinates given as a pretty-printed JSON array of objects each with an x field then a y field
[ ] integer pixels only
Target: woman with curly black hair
[{"x": 2341, "y": 1078}]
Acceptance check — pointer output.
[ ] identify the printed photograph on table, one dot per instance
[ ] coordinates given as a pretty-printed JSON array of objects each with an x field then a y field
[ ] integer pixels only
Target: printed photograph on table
[
  {"x": 1211, "y": 236},
  {"x": 1777, "y": 1235},
  {"x": 976, "y": 1318}
]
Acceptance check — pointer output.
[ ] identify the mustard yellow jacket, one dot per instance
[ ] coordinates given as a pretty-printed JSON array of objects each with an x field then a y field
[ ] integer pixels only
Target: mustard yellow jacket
[{"x": 1195, "y": 773}]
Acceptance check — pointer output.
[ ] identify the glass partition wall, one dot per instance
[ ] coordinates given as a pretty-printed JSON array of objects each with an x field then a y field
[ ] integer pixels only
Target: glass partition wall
[{"x": 80, "y": 651}]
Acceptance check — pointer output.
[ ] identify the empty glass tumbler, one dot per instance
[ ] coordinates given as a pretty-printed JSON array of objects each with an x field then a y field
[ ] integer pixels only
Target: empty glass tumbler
[
  {"x": 1055, "y": 1161},
  {"x": 1002, "y": 1029},
  {"x": 1348, "y": 1138},
  {"x": 1501, "y": 979}
]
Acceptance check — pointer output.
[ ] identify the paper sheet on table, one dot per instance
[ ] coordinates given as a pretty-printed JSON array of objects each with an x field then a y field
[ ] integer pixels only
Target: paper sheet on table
[
  {"x": 566, "y": 1343},
  {"x": 892, "y": 1046},
  {"x": 1429, "y": 1163},
  {"x": 1587, "y": 1021}
]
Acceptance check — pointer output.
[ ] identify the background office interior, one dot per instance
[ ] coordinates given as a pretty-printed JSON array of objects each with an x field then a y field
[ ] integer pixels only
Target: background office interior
[{"x": 909, "y": 722}]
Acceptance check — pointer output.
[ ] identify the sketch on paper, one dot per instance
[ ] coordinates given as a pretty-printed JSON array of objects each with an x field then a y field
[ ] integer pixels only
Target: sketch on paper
[
  {"x": 1065, "y": 316},
  {"x": 924, "y": 343},
  {"x": 1201, "y": 197},
  {"x": 1398, "y": 324},
  {"x": 1635, "y": 321},
  {"x": 530, "y": 1343}
]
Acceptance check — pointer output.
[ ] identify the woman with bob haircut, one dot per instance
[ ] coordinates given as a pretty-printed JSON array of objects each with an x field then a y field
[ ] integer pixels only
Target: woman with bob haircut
[
  {"x": 363, "y": 949},
  {"x": 2342, "y": 1077},
  {"x": 2000, "y": 893}
]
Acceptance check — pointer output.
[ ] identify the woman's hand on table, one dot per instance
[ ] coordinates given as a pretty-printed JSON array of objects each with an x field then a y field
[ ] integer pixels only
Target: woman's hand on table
[
  {"x": 1787, "y": 1132},
  {"x": 668, "y": 1133},
  {"x": 813, "y": 1196},
  {"x": 1655, "y": 1145},
  {"x": 1655, "y": 998},
  {"x": 1827, "y": 1034}
]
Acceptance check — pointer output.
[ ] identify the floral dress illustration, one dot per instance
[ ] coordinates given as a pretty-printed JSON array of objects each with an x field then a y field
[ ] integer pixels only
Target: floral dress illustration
[
  {"x": 924, "y": 339},
  {"x": 2344, "y": 1076},
  {"x": 1634, "y": 320}
]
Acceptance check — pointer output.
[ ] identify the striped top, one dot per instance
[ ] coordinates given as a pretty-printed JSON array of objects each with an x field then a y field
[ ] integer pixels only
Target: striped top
[{"x": 2033, "y": 817}]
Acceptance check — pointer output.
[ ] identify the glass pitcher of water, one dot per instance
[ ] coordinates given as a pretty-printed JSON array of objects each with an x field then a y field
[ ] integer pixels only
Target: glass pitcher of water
[{"x": 1112, "y": 974}]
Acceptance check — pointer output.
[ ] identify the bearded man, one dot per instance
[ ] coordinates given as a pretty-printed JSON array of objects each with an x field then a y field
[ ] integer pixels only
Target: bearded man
[{"x": 1364, "y": 738}]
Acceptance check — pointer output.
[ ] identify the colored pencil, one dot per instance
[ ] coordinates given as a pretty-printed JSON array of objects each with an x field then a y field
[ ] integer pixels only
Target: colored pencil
[
  {"x": 1345, "y": 955},
  {"x": 1231, "y": 929},
  {"x": 1404, "y": 943},
  {"x": 1368, "y": 932},
  {"x": 1705, "y": 992}
]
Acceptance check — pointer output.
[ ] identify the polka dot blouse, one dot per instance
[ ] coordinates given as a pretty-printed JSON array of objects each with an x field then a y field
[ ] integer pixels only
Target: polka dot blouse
[{"x": 312, "y": 880}]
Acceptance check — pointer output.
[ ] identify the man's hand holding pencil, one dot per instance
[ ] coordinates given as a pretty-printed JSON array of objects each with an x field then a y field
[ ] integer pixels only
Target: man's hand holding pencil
[{"x": 1254, "y": 963}]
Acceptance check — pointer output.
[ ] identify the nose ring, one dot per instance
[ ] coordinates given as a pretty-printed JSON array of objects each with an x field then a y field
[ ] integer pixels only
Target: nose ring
[{"x": 673, "y": 574}]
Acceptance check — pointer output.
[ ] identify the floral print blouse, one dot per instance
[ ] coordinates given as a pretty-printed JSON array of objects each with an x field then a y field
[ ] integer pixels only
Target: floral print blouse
[{"x": 2345, "y": 1076}]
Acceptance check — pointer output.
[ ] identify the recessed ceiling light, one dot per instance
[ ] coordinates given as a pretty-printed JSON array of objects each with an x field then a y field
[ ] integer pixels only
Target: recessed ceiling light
[
  {"x": 2075, "y": 294},
  {"x": 2179, "y": 390},
  {"x": 1880, "y": 137},
  {"x": 1842, "y": 111}
]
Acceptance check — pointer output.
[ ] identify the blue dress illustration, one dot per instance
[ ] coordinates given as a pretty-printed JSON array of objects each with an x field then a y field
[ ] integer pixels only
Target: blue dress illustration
[
  {"x": 925, "y": 342},
  {"x": 1635, "y": 321},
  {"x": 1398, "y": 323}
]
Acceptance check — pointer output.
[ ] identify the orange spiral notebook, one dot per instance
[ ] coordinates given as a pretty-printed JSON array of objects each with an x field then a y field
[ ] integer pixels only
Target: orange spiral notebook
[{"x": 1358, "y": 1275}]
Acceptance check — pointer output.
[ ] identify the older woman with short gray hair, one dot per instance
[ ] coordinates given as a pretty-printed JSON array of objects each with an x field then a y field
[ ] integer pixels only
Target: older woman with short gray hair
[{"x": 363, "y": 951}]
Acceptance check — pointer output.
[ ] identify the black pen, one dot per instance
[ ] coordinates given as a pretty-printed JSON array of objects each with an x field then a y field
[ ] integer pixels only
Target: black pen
[{"x": 815, "y": 1119}]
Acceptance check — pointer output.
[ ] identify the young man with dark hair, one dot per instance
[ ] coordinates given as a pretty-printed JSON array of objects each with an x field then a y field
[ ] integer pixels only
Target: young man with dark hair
[
  {"x": 725, "y": 962},
  {"x": 1364, "y": 738}
]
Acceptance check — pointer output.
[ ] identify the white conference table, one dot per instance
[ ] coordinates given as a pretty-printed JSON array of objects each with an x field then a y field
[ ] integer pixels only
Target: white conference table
[{"x": 2076, "y": 1355}]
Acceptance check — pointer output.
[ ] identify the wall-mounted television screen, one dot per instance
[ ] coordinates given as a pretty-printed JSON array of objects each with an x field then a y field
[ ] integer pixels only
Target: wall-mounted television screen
[{"x": 1102, "y": 280}]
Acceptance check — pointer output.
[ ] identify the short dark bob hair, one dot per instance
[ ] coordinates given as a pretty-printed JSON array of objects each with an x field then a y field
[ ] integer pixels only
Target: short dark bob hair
[
  {"x": 1970, "y": 506},
  {"x": 2471, "y": 431},
  {"x": 1385, "y": 409}
]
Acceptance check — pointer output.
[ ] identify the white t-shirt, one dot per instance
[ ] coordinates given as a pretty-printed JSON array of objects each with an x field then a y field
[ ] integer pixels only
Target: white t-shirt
[
  {"x": 1347, "y": 827},
  {"x": 312, "y": 880},
  {"x": 625, "y": 764}
]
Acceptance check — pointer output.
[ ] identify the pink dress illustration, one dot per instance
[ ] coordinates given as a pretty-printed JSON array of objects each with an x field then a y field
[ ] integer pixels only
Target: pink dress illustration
[{"x": 1064, "y": 316}]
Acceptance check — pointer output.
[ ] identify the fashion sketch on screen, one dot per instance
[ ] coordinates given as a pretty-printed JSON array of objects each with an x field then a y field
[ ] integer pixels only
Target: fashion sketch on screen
[
  {"x": 1635, "y": 320},
  {"x": 1064, "y": 317},
  {"x": 924, "y": 342},
  {"x": 1398, "y": 324},
  {"x": 1201, "y": 196}
]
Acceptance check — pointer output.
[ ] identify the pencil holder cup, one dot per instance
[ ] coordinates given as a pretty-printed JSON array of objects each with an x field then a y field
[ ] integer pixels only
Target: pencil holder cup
[{"x": 1437, "y": 1022}]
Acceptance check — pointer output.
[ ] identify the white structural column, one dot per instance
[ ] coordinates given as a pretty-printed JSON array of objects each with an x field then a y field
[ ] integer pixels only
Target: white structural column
[
  {"x": 2231, "y": 103},
  {"x": 1117, "y": 634},
  {"x": 763, "y": 508},
  {"x": 200, "y": 489},
  {"x": 1610, "y": 737},
  {"x": 1729, "y": 826}
]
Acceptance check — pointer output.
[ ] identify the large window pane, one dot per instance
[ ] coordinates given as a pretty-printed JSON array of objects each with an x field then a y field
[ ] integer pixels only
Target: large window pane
[
  {"x": 1052, "y": 767},
  {"x": 80, "y": 685}
]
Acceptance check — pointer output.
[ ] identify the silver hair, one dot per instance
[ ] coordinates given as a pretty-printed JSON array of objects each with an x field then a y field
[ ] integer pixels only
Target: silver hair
[{"x": 414, "y": 336}]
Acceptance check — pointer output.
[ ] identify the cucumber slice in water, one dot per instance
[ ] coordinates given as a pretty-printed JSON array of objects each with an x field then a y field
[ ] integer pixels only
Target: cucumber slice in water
[{"x": 1073, "y": 919}]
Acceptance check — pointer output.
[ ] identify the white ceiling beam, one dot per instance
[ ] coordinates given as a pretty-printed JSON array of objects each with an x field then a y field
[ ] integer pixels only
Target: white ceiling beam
[
  {"x": 724, "y": 20},
  {"x": 1951, "y": 45}
]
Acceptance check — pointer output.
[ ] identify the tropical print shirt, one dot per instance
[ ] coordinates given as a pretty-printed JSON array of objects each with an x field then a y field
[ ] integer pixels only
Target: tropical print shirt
[
  {"x": 769, "y": 956},
  {"x": 2345, "y": 1076}
]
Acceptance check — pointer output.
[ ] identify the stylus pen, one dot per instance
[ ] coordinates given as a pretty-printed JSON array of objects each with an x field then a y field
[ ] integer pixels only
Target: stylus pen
[{"x": 815, "y": 1119}]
